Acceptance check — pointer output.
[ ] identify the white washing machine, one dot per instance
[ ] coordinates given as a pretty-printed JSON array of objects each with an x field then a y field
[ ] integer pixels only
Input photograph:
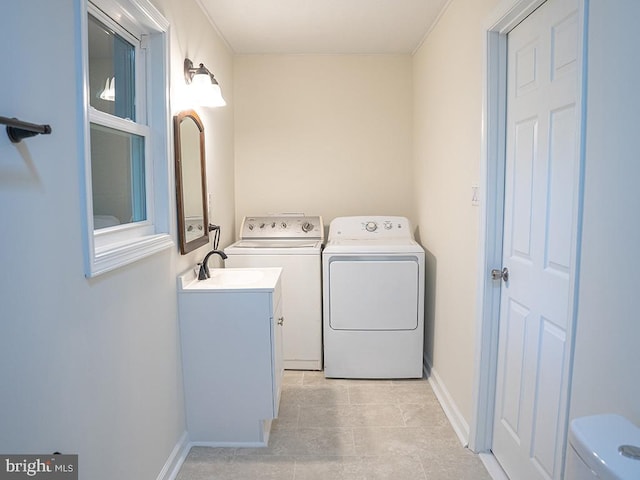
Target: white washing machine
[
  {"x": 373, "y": 299},
  {"x": 293, "y": 242}
]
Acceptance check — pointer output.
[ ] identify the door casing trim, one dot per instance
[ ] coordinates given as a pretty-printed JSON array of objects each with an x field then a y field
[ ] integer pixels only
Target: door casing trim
[{"x": 492, "y": 168}]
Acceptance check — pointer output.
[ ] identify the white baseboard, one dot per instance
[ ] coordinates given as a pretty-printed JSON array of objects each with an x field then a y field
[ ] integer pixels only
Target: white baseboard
[
  {"x": 492, "y": 466},
  {"x": 176, "y": 459},
  {"x": 181, "y": 450},
  {"x": 228, "y": 444},
  {"x": 451, "y": 410}
]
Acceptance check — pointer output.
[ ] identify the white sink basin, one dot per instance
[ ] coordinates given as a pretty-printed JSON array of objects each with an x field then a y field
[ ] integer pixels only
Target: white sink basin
[
  {"x": 235, "y": 277},
  {"x": 230, "y": 279}
]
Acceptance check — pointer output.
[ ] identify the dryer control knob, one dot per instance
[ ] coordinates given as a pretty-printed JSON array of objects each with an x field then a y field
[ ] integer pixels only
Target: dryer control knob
[
  {"x": 307, "y": 227},
  {"x": 371, "y": 226}
]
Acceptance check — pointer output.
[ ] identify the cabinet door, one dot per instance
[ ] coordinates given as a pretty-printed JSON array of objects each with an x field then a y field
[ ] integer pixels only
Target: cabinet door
[{"x": 277, "y": 355}]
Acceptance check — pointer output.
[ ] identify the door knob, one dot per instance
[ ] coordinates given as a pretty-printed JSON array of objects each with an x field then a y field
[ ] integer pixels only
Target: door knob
[{"x": 503, "y": 274}]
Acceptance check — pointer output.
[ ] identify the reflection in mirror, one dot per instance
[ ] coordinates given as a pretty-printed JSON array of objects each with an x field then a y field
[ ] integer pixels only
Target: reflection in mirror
[{"x": 191, "y": 181}]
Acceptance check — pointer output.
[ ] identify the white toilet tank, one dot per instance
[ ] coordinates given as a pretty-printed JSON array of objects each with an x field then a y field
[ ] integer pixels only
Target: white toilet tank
[{"x": 603, "y": 447}]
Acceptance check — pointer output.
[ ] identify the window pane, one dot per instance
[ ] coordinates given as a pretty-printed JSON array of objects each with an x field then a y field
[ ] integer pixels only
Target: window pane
[
  {"x": 118, "y": 177},
  {"x": 111, "y": 71}
]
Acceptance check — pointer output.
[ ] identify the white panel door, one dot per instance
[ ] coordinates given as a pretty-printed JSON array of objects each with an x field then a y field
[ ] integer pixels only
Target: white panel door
[{"x": 541, "y": 179}]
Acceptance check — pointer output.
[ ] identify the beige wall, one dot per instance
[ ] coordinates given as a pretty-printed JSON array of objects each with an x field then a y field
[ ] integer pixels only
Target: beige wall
[
  {"x": 324, "y": 135},
  {"x": 447, "y": 134},
  {"x": 348, "y": 135},
  {"x": 194, "y": 37}
]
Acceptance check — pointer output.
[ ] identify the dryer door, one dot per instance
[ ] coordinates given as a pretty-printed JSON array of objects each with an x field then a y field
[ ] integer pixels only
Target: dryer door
[{"x": 373, "y": 294}]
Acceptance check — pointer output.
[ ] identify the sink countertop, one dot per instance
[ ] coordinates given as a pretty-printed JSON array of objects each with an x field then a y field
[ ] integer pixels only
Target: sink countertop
[{"x": 231, "y": 280}]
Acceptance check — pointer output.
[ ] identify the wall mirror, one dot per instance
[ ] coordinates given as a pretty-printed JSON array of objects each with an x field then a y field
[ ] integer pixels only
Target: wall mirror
[{"x": 191, "y": 181}]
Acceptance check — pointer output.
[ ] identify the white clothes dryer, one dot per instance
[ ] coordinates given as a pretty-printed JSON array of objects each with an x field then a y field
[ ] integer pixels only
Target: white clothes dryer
[
  {"x": 293, "y": 242},
  {"x": 373, "y": 299}
]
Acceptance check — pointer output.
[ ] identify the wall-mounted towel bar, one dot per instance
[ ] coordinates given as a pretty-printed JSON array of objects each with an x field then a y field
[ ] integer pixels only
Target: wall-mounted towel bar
[{"x": 17, "y": 129}]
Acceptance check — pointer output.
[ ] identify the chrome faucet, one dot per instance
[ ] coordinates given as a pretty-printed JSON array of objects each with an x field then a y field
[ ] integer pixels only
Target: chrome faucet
[{"x": 203, "y": 273}]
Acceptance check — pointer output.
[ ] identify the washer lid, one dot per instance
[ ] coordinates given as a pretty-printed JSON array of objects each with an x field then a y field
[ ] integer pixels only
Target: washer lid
[
  {"x": 597, "y": 440},
  {"x": 274, "y": 247}
]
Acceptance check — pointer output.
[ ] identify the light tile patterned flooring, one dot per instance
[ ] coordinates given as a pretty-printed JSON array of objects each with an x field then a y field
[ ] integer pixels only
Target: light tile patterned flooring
[{"x": 332, "y": 429}]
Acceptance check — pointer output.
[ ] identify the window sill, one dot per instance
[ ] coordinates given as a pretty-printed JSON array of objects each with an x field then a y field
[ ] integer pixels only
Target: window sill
[{"x": 116, "y": 255}]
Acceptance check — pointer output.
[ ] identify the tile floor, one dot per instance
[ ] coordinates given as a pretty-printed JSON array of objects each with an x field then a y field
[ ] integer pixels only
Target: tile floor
[{"x": 347, "y": 430}]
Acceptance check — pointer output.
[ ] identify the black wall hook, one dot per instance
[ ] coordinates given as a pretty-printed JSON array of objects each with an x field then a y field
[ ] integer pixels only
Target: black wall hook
[{"x": 17, "y": 129}]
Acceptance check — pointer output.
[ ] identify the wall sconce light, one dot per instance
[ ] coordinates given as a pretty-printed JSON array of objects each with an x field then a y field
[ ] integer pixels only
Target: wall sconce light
[
  {"x": 109, "y": 92},
  {"x": 204, "y": 87}
]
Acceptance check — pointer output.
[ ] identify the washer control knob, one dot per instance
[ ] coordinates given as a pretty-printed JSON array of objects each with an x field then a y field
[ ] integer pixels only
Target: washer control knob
[
  {"x": 261, "y": 225},
  {"x": 250, "y": 226},
  {"x": 307, "y": 227},
  {"x": 371, "y": 226},
  {"x": 283, "y": 224}
]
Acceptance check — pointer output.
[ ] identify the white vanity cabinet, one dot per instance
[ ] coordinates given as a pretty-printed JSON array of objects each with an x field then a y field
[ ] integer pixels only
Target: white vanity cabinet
[{"x": 231, "y": 338}]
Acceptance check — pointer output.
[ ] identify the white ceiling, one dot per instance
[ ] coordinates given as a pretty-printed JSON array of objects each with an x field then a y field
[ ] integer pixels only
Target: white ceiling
[{"x": 323, "y": 26}]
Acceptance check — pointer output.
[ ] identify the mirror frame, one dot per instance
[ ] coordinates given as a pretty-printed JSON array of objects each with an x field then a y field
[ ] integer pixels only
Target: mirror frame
[{"x": 189, "y": 246}]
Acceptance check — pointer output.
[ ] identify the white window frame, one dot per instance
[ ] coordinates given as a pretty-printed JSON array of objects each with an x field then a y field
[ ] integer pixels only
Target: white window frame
[{"x": 109, "y": 248}]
